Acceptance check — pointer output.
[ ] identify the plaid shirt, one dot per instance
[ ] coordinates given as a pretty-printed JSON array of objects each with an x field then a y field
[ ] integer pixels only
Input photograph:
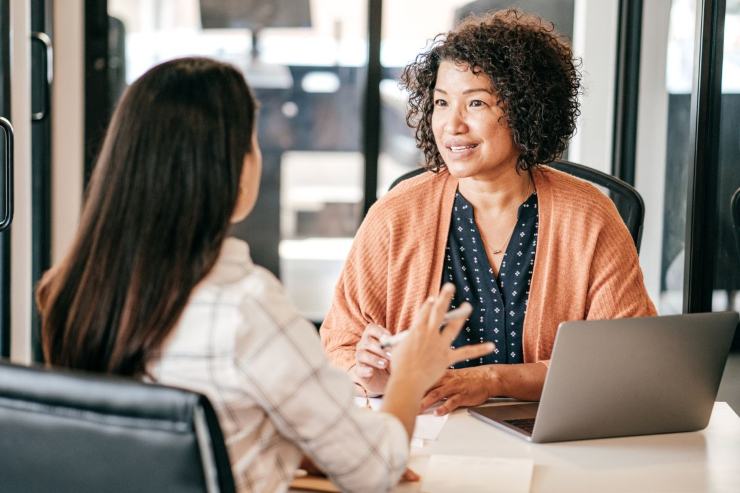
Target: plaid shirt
[{"x": 242, "y": 343}]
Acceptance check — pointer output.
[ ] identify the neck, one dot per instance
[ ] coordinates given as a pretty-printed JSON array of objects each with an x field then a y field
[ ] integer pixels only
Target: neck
[{"x": 497, "y": 193}]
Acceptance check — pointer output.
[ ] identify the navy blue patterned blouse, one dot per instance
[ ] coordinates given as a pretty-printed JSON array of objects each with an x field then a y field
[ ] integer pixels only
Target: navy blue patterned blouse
[{"x": 499, "y": 303}]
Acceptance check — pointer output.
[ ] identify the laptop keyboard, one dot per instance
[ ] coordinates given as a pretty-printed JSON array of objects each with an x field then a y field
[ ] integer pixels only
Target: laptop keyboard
[{"x": 527, "y": 425}]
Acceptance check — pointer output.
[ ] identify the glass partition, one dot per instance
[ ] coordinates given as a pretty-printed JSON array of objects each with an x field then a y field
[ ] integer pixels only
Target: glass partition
[
  {"x": 306, "y": 61},
  {"x": 727, "y": 254},
  {"x": 679, "y": 65}
]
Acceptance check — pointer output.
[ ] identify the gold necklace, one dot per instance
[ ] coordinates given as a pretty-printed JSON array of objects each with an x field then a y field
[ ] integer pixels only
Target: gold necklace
[{"x": 500, "y": 250}]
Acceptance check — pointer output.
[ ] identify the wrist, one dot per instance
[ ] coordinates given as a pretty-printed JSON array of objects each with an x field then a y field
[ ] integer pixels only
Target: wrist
[
  {"x": 496, "y": 381},
  {"x": 406, "y": 373},
  {"x": 406, "y": 383}
]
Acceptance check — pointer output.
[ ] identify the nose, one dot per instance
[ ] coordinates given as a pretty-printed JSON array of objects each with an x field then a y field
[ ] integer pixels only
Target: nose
[{"x": 455, "y": 122}]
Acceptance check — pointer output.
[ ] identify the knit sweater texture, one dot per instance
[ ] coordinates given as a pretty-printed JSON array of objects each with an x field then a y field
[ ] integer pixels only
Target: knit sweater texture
[{"x": 586, "y": 265}]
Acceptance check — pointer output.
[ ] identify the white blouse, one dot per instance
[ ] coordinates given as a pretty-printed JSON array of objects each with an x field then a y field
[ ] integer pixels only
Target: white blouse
[{"x": 242, "y": 344}]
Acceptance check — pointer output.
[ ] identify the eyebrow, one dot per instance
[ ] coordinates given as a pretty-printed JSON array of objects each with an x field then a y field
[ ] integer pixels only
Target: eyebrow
[{"x": 467, "y": 91}]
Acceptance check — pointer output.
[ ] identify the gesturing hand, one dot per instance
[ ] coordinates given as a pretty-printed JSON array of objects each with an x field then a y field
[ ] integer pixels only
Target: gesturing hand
[
  {"x": 421, "y": 358},
  {"x": 426, "y": 352}
]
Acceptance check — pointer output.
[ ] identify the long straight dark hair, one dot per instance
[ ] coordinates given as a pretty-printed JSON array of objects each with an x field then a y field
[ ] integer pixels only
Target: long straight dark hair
[{"x": 157, "y": 211}]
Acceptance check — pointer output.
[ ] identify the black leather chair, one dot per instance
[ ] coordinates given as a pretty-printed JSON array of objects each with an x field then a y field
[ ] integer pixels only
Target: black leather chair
[
  {"x": 628, "y": 201},
  {"x": 64, "y": 431}
]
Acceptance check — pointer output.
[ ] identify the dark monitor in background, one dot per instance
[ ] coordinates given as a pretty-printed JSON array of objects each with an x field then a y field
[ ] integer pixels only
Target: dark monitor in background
[
  {"x": 559, "y": 12},
  {"x": 255, "y": 14}
]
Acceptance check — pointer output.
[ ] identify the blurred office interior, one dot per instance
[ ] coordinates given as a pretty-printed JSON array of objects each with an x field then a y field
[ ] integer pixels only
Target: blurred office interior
[{"x": 333, "y": 131}]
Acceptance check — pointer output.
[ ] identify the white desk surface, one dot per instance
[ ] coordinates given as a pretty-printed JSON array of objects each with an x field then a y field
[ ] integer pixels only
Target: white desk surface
[{"x": 707, "y": 460}]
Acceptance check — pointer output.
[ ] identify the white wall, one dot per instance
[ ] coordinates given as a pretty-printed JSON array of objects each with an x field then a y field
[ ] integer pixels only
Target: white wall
[
  {"x": 595, "y": 42},
  {"x": 20, "y": 231},
  {"x": 67, "y": 123},
  {"x": 652, "y": 128}
]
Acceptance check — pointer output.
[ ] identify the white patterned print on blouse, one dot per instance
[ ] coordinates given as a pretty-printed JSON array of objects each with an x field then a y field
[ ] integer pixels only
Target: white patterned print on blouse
[{"x": 499, "y": 303}]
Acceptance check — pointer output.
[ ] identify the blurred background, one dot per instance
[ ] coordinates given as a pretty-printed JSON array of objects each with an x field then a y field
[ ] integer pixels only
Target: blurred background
[{"x": 332, "y": 123}]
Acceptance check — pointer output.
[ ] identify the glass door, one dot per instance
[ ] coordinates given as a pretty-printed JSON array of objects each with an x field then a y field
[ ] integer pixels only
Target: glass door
[
  {"x": 687, "y": 153},
  {"x": 307, "y": 63},
  {"x": 726, "y": 281},
  {"x": 40, "y": 153},
  {"x": 663, "y": 150}
]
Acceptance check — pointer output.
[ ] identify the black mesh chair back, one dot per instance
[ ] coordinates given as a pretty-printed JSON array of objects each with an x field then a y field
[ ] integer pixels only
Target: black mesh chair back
[
  {"x": 64, "y": 432},
  {"x": 627, "y": 200}
]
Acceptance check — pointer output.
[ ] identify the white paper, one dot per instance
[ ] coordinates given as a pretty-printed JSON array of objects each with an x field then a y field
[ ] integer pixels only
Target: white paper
[
  {"x": 428, "y": 426},
  {"x": 471, "y": 474},
  {"x": 416, "y": 443}
]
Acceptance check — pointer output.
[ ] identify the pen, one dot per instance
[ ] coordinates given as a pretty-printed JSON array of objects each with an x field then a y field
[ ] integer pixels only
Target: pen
[{"x": 462, "y": 311}]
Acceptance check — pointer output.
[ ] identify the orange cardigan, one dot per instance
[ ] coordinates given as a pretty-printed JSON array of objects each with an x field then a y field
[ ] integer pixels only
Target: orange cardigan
[{"x": 586, "y": 264}]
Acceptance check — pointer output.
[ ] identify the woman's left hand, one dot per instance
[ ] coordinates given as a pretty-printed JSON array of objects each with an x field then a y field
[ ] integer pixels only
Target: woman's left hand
[{"x": 463, "y": 387}]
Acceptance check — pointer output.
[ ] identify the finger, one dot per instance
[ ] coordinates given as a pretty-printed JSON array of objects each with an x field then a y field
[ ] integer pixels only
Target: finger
[
  {"x": 422, "y": 314},
  {"x": 371, "y": 360},
  {"x": 409, "y": 475},
  {"x": 374, "y": 331},
  {"x": 375, "y": 348},
  {"x": 433, "y": 397},
  {"x": 441, "y": 304},
  {"x": 471, "y": 352},
  {"x": 437, "y": 385},
  {"x": 448, "y": 406},
  {"x": 363, "y": 372},
  {"x": 430, "y": 399},
  {"x": 453, "y": 327}
]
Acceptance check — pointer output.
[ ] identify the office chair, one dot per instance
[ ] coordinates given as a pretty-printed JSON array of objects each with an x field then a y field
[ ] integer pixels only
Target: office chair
[
  {"x": 65, "y": 431},
  {"x": 627, "y": 200}
]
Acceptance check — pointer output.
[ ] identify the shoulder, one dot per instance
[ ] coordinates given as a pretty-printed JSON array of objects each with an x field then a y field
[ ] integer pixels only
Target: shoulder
[
  {"x": 264, "y": 314},
  {"x": 574, "y": 197},
  {"x": 252, "y": 292},
  {"x": 259, "y": 291}
]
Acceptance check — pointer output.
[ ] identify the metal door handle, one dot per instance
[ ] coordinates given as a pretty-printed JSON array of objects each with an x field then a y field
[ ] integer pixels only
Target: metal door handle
[
  {"x": 6, "y": 129},
  {"x": 45, "y": 40}
]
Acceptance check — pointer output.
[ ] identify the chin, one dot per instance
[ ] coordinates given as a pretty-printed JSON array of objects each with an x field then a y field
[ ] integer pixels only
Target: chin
[{"x": 461, "y": 170}]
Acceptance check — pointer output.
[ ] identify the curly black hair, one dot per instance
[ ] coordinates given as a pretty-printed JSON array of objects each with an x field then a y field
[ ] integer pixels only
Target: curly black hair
[{"x": 532, "y": 71}]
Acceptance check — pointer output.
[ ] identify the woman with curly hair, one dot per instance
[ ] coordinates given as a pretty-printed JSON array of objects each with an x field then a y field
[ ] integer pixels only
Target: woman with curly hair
[{"x": 492, "y": 102}]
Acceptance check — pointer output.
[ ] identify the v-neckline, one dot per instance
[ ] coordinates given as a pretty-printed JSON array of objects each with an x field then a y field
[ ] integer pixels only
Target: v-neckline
[
  {"x": 445, "y": 200},
  {"x": 491, "y": 268}
]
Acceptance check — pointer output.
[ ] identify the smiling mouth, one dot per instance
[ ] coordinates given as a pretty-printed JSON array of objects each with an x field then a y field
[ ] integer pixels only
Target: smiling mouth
[{"x": 462, "y": 148}]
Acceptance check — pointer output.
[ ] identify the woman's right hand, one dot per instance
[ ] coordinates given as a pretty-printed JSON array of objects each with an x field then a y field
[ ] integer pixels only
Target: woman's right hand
[{"x": 372, "y": 363}]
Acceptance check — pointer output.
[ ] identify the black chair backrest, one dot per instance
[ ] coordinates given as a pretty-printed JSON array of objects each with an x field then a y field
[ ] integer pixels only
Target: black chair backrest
[
  {"x": 627, "y": 200},
  {"x": 70, "y": 432}
]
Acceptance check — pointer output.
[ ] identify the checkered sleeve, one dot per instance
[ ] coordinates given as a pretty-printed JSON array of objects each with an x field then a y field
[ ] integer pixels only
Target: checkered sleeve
[{"x": 282, "y": 365}]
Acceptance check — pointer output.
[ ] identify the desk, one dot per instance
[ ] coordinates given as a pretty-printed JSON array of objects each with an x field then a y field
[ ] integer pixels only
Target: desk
[{"x": 708, "y": 460}]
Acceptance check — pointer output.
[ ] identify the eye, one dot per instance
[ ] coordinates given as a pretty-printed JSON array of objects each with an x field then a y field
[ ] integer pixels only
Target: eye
[
  {"x": 477, "y": 103},
  {"x": 440, "y": 102}
]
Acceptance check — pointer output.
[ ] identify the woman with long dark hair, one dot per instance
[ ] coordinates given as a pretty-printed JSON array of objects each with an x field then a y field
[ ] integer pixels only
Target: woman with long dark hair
[{"x": 153, "y": 289}]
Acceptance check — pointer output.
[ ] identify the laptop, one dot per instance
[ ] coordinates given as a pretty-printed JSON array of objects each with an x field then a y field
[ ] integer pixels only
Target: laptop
[{"x": 632, "y": 376}]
